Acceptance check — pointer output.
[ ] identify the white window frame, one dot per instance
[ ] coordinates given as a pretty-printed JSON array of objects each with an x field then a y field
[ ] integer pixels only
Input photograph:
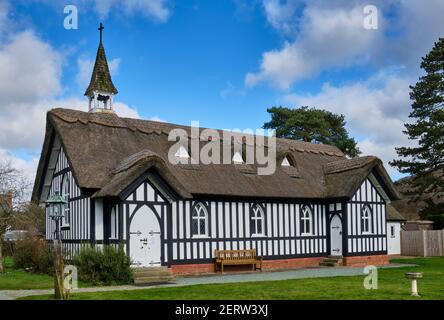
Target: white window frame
[
  {"x": 114, "y": 234},
  {"x": 306, "y": 217},
  {"x": 392, "y": 231},
  {"x": 65, "y": 184},
  {"x": 366, "y": 215},
  {"x": 258, "y": 216},
  {"x": 199, "y": 209}
]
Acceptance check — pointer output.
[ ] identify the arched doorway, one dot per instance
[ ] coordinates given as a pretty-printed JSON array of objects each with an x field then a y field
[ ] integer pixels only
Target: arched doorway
[
  {"x": 145, "y": 244},
  {"x": 336, "y": 236}
]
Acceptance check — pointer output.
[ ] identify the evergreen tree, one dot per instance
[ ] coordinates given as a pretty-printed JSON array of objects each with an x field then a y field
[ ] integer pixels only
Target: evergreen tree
[
  {"x": 312, "y": 125},
  {"x": 425, "y": 161}
]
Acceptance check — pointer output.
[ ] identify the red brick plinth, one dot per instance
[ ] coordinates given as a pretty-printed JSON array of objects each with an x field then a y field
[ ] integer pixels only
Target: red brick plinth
[
  {"x": 189, "y": 269},
  {"x": 361, "y": 261}
]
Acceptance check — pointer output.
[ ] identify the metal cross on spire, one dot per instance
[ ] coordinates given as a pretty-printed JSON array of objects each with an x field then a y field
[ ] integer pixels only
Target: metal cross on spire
[{"x": 101, "y": 29}]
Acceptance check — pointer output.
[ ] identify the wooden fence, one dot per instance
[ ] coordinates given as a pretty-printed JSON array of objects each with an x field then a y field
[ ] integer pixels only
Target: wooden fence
[{"x": 423, "y": 243}]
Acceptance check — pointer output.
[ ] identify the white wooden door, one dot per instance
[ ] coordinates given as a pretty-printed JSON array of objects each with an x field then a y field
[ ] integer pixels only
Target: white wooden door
[
  {"x": 336, "y": 236},
  {"x": 145, "y": 239}
]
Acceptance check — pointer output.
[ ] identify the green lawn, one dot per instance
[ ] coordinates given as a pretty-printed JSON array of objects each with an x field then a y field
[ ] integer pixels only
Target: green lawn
[
  {"x": 14, "y": 279},
  {"x": 19, "y": 279},
  {"x": 392, "y": 285}
]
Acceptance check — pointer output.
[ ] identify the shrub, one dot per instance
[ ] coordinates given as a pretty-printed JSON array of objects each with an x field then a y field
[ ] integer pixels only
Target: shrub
[
  {"x": 33, "y": 254},
  {"x": 103, "y": 266}
]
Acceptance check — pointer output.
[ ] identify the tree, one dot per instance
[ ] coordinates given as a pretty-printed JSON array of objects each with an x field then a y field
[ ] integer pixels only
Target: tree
[
  {"x": 425, "y": 161},
  {"x": 31, "y": 218},
  {"x": 312, "y": 125},
  {"x": 12, "y": 189}
]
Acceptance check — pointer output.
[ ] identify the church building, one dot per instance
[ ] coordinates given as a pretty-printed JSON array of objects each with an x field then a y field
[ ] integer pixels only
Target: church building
[{"x": 122, "y": 189}]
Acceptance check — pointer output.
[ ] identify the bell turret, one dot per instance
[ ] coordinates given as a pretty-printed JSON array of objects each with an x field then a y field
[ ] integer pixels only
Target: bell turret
[{"x": 101, "y": 89}]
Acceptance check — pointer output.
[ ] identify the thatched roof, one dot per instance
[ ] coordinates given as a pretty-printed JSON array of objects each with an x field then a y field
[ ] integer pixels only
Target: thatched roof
[
  {"x": 107, "y": 153},
  {"x": 393, "y": 214}
]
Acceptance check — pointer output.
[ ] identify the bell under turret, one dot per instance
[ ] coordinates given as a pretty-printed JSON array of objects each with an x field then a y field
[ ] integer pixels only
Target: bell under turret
[{"x": 101, "y": 89}]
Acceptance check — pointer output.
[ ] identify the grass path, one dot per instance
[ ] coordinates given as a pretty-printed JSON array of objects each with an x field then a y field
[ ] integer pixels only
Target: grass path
[{"x": 391, "y": 282}]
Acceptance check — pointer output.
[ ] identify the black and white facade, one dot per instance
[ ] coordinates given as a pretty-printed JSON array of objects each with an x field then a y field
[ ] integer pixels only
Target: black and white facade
[
  {"x": 121, "y": 191},
  {"x": 156, "y": 228}
]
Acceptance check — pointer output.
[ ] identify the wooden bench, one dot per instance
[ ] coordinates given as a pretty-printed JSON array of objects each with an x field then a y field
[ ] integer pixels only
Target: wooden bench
[{"x": 237, "y": 257}]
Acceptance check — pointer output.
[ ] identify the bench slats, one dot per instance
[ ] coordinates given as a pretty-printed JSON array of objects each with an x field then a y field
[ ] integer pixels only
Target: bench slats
[{"x": 238, "y": 257}]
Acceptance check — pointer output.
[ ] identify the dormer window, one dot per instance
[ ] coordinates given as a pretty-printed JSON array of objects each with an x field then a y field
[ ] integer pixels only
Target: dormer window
[
  {"x": 286, "y": 162},
  {"x": 182, "y": 153},
  {"x": 288, "y": 165},
  {"x": 237, "y": 158}
]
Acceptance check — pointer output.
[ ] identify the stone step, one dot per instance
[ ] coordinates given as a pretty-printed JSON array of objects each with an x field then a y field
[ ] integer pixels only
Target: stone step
[
  {"x": 328, "y": 264},
  {"x": 146, "y": 275},
  {"x": 331, "y": 261}
]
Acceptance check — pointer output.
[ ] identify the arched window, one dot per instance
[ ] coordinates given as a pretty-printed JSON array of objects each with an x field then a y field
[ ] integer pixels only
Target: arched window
[
  {"x": 257, "y": 221},
  {"x": 65, "y": 193},
  {"x": 366, "y": 219},
  {"x": 199, "y": 221},
  {"x": 306, "y": 220}
]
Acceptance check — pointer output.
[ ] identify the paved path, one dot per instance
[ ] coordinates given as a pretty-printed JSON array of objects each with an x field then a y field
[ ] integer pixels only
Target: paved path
[{"x": 211, "y": 279}]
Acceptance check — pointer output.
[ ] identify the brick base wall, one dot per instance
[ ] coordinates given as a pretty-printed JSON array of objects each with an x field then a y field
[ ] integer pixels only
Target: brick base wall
[
  {"x": 291, "y": 263},
  {"x": 190, "y": 269},
  {"x": 208, "y": 268},
  {"x": 361, "y": 261}
]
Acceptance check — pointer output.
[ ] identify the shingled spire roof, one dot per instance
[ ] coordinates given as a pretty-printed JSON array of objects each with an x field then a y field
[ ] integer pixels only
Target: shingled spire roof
[{"x": 101, "y": 77}]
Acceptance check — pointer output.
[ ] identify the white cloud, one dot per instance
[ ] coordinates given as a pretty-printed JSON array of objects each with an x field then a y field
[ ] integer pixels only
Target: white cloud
[
  {"x": 157, "y": 119},
  {"x": 155, "y": 9},
  {"x": 123, "y": 110},
  {"x": 322, "y": 36},
  {"x": 375, "y": 110},
  {"x": 328, "y": 37},
  {"x": 30, "y": 69},
  {"x": 28, "y": 167},
  {"x": 230, "y": 90},
  {"x": 25, "y": 122},
  {"x": 282, "y": 16},
  {"x": 30, "y": 85}
]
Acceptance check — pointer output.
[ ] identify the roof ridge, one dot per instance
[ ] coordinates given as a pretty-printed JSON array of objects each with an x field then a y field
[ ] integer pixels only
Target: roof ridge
[
  {"x": 348, "y": 164},
  {"x": 113, "y": 120},
  {"x": 133, "y": 159}
]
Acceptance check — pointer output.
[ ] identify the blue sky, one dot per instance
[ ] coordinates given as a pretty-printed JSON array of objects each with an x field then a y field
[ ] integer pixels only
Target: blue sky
[
  {"x": 220, "y": 62},
  {"x": 190, "y": 67}
]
